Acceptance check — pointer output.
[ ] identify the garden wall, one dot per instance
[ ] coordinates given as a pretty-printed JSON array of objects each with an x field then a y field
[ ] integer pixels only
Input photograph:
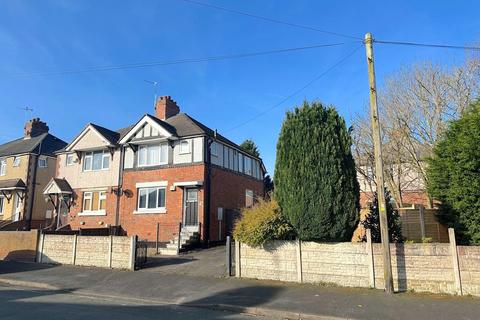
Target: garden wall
[
  {"x": 18, "y": 245},
  {"x": 429, "y": 267},
  {"x": 105, "y": 251}
]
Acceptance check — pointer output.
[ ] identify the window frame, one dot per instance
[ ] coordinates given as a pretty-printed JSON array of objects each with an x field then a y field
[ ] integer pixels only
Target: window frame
[
  {"x": 214, "y": 149},
  {"x": 70, "y": 156},
  {"x": 249, "y": 194},
  {"x": 183, "y": 143},
  {"x": 161, "y": 146},
  {"x": 89, "y": 195},
  {"x": 16, "y": 162},
  {"x": 42, "y": 159},
  {"x": 157, "y": 208},
  {"x": 91, "y": 156},
  {"x": 3, "y": 167}
]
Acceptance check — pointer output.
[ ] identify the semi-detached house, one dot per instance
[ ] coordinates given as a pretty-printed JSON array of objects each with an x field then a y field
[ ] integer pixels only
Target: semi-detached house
[{"x": 164, "y": 170}]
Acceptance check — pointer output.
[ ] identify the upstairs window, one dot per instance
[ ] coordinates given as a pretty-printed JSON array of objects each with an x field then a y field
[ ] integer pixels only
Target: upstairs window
[
  {"x": 42, "y": 162},
  {"x": 96, "y": 160},
  {"x": 214, "y": 149},
  {"x": 17, "y": 161},
  {"x": 70, "y": 160},
  {"x": 1, "y": 204},
  {"x": 152, "y": 155},
  {"x": 184, "y": 146},
  {"x": 248, "y": 166},
  {"x": 3, "y": 167}
]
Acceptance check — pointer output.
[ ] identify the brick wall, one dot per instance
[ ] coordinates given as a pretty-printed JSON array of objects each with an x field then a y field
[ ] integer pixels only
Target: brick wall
[
  {"x": 145, "y": 225},
  {"x": 419, "y": 267},
  {"x": 18, "y": 245},
  {"x": 107, "y": 252},
  {"x": 82, "y": 221},
  {"x": 228, "y": 192}
]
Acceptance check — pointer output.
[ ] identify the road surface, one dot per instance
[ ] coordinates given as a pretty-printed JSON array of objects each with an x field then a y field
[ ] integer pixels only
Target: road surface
[{"x": 22, "y": 303}]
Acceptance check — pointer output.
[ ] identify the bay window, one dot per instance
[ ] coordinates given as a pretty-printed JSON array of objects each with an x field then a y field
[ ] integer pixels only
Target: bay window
[{"x": 152, "y": 155}]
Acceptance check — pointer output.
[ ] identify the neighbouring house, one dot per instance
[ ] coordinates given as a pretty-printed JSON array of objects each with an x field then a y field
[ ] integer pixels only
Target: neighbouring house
[
  {"x": 403, "y": 181},
  {"x": 26, "y": 166},
  {"x": 165, "y": 171},
  {"x": 84, "y": 191}
]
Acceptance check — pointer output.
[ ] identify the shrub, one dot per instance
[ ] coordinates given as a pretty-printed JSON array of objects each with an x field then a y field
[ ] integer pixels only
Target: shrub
[
  {"x": 315, "y": 178},
  {"x": 261, "y": 223}
]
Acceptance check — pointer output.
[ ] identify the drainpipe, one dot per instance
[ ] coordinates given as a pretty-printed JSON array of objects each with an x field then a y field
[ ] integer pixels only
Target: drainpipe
[
  {"x": 207, "y": 189},
  {"x": 28, "y": 217},
  {"x": 119, "y": 187}
]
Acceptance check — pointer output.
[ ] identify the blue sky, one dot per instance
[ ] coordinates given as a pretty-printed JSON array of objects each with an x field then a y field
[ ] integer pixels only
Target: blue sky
[{"x": 42, "y": 36}]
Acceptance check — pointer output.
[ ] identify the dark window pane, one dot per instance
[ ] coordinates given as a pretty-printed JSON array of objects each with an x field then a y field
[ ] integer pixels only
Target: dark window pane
[
  {"x": 152, "y": 198},
  {"x": 142, "y": 198},
  {"x": 161, "y": 198}
]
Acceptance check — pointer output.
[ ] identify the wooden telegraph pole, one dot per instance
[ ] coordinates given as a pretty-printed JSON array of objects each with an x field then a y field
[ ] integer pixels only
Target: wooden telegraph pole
[{"x": 377, "y": 144}]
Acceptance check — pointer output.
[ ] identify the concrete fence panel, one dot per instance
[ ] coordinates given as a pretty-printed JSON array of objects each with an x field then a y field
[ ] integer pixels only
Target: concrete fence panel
[
  {"x": 95, "y": 251},
  {"x": 422, "y": 267}
]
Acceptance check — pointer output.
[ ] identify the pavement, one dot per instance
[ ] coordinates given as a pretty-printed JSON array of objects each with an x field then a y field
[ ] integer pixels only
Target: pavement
[{"x": 238, "y": 296}]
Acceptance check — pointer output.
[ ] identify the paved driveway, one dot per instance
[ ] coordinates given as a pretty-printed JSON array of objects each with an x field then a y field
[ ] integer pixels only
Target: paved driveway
[{"x": 200, "y": 263}]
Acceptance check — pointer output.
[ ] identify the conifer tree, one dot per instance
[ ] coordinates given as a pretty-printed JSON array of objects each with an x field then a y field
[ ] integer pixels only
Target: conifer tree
[{"x": 315, "y": 178}]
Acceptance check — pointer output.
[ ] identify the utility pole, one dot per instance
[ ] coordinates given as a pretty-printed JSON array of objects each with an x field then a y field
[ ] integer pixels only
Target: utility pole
[{"x": 377, "y": 145}]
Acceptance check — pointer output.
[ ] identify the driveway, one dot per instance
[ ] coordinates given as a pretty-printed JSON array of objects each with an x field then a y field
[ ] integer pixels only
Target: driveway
[{"x": 199, "y": 263}]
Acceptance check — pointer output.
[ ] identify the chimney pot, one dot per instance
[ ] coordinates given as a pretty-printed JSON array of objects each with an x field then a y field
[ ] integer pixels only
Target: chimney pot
[{"x": 165, "y": 108}]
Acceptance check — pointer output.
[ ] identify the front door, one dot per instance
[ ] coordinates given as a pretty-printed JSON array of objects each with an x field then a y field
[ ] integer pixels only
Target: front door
[
  {"x": 17, "y": 208},
  {"x": 191, "y": 207}
]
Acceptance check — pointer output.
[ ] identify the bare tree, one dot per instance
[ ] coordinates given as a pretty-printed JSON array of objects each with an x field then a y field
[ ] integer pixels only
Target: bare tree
[{"x": 416, "y": 105}]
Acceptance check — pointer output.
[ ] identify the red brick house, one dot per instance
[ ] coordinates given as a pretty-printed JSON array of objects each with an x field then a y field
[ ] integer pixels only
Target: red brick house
[{"x": 164, "y": 170}]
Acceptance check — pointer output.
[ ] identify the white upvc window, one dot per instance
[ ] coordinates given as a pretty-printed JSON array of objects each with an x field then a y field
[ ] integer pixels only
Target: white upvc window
[
  {"x": 96, "y": 160},
  {"x": 42, "y": 162},
  {"x": 214, "y": 149},
  {"x": 94, "y": 202},
  {"x": 248, "y": 166},
  {"x": 70, "y": 159},
  {"x": 152, "y": 155},
  {"x": 3, "y": 167},
  {"x": 151, "y": 199},
  {"x": 248, "y": 198},
  {"x": 2, "y": 203},
  {"x": 17, "y": 161},
  {"x": 184, "y": 146}
]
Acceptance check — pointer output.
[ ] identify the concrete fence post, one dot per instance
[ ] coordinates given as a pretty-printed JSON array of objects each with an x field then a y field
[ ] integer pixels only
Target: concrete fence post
[
  {"x": 299, "y": 261},
  {"x": 228, "y": 256},
  {"x": 110, "y": 248},
  {"x": 237, "y": 259},
  {"x": 421, "y": 211},
  {"x": 74, "y": 249},
  {"x": 456, "y": 267},
  {"x": 41, "y": 241},
  {"x": 370, "y": 260},
  {"x": 133, "y": 245}
]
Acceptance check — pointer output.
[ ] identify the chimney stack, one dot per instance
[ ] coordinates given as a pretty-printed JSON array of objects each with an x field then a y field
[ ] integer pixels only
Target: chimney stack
[
  {"x": 165, "y": 108},
  {"x": 34, "y": 128}
]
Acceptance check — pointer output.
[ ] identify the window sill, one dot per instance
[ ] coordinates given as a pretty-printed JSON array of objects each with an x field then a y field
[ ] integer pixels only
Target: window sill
[
  {"x": 150, "y": 211},
  {"x": 92, "y": 213}
]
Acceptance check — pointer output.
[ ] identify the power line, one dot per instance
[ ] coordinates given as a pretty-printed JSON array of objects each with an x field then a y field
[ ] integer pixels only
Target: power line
[
  {"x": 431, "y": 45},
  {"x": 174, "y": 62},
  {"x": 251, "y": 15},
  {"x": 308, "y": 84}
]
